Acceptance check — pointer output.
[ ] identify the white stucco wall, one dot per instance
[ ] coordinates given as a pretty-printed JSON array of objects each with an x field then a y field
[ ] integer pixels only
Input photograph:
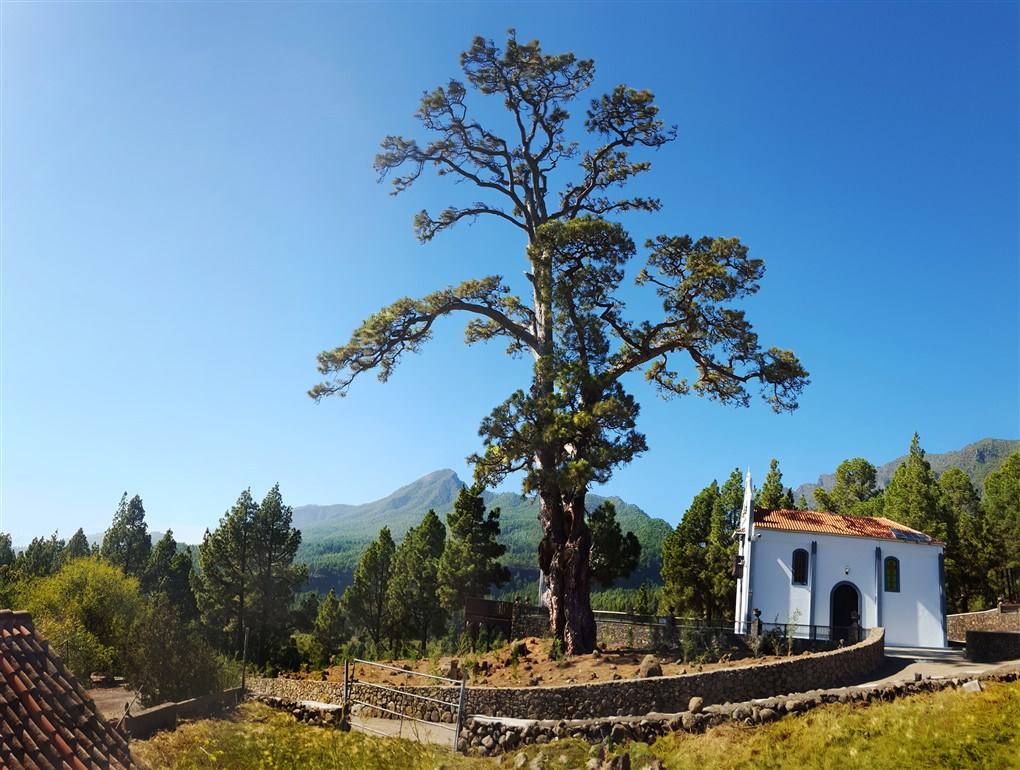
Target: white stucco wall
[{"x": 911, "y": 617}]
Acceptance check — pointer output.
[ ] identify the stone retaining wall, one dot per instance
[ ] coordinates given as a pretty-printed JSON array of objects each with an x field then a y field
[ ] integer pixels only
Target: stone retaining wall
[
  {"x": 491, "y": 737},
  {"x": 991, "y": 646},
  {"x": 1005, "y": 618},
  {"x": 607, "y": 699}
]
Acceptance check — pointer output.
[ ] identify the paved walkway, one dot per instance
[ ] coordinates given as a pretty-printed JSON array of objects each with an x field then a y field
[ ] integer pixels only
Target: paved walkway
[
  {"x": 904, "y": 664},
  {"x": 439, "y": 734}
]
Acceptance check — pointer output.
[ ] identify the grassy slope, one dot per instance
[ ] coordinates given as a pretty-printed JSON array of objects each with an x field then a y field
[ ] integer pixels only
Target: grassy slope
[{"x": 949, "y": 729}]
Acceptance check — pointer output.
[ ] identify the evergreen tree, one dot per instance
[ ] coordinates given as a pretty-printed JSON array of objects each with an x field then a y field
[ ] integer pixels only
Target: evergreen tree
[
  {"x": 967, "y": 553},
  {"x": 772, "y": 494},
  {"x": 912, "y": 496},
  {"x": 854, "y": 487},
  {"x": 412, "y": 598},
  {"x": 274, "y": 576},
  {"x": 1001, "y": 503},
  {"x": 469, "y": 566},
  {"x": 686, "y": 574},
  {"x": 77, "y": 547},
  {"x": 731, "y": 495},
  {"x": 306, "y": 609},
  {"x": 126, "y": 543},
  {"x": 6, "y": 550},
  {"x": 169, "y": 572},
  {"x": 43, "y": 557},
  {"x": 802, "y": 503},
  {"x": 328, "y": 629},
  {"x": 613, "y": 555},
  {"x": 223, "y": 583},
  {"x": 574, "y": 423},
  {"x": 365, "y": 598},
  {"x": 167, "y": 660}
]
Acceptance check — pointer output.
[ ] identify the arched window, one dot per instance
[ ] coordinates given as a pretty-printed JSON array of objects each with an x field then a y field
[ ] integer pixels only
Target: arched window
[
  {"x": 800, "y": 565},
  {"x": 892, "y": 574}
]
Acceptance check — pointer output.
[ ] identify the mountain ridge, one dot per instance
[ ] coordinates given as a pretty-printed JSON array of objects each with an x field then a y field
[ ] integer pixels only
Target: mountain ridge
[{"x": 976, "y": 459}]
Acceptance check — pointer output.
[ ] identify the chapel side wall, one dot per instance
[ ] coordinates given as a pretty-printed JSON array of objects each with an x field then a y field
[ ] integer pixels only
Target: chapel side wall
[{"x": 911, "y": 617}]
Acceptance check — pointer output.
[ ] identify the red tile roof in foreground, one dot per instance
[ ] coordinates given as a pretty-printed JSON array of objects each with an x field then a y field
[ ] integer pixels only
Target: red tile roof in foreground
[
  {"x": 47, "y": 720},
  {"x": 837, "y": 524}
]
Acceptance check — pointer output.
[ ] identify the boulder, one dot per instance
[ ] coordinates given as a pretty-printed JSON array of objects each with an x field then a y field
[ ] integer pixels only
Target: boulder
[
  {"x": 696, "y": 704},
  {"x": 972, "y": 686},
  {"x": 649, "y": 667}
]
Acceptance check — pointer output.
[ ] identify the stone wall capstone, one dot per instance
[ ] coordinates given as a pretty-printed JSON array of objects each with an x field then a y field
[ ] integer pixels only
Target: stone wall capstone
[{"x": 628, "y": 697}]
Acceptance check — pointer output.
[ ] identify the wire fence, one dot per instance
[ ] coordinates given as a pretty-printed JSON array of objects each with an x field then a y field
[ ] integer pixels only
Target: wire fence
[{"x": 351, "y": 680}]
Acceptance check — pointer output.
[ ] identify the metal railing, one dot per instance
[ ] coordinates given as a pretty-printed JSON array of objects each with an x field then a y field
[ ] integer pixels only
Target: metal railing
[
  {"x": 350, "y": 680},
  {"x": 847, "y": 634}
]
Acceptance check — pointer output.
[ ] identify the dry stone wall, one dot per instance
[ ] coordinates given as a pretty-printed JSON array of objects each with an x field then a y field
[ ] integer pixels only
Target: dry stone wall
[
  {"x": 1004, "y": 618},
  {"x": 490, "y": 737},
  {"x": 629, "y": 697}
]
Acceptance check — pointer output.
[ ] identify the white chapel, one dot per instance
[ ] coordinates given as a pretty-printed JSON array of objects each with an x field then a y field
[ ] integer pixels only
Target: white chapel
[{"x": 825, "y": 574}]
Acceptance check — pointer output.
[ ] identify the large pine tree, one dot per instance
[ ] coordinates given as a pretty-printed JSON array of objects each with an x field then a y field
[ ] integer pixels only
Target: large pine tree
[
  {"x": 912, "y": 497},
  {"x": 853, "y": 491},
  {"x": 127, "y": 543},
  {"x": 274, "y": 576},
  {"x": 169, "y": 573},
  {"x": 1002, "y": 512},
  {"x": 328, "y": 628},
  {"x": 967, "y": 555},
  {"x": 575, "y": 423},
  {"x": 772, "y": 495},
  {"x": 364, "y": 600},
  {"x": 469, "y": 566},
  {"x": 614, "y": 555},
  {"x": 222, "y": 585},
  {"x": 412, "y": 598},
  {"x": 77, "y": 547}
]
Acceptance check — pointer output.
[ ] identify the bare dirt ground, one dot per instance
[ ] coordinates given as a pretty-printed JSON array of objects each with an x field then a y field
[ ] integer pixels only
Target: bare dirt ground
[{"x": 536, "y": 667}]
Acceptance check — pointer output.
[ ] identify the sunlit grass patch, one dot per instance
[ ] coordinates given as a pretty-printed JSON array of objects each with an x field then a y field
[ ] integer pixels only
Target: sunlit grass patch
[
  {"x": 949, "y": 729},
  {"x": 261, "y": 738}
]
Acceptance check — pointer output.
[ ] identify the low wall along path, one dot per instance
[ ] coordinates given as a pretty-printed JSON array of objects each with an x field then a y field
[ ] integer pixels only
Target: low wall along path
[{"x": 631, "y": 697}]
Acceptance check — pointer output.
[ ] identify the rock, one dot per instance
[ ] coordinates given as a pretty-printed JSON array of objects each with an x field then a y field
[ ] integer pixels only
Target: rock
[
  {"x": 649, "y": 667},
  {"x": 453, "y": 670},
  {"x": 619, "y": 762},
  {"x": 654, "y": 764},
  {"x": 696, "y": 704},
  {"x": 972, "y": 686},
  {"x": 520, "y": 649},
  {"x": 618, "y": 733},
  {"x": 766, "y": 715},
  {"x": 593, "y": 764},
  {"x": 487, "y": 742},
  {"x": 793, "y": 706}
]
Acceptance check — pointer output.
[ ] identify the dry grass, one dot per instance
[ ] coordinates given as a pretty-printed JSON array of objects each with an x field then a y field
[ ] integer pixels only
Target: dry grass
[
  {"x": 261, "y": 738},
  {"x": 949, "y": 729}
]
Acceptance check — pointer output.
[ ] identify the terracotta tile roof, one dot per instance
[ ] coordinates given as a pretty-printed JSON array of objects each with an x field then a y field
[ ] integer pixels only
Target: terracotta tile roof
[
  {"x": 837, "y": 524},
  {"x": 47, "y": 720}
]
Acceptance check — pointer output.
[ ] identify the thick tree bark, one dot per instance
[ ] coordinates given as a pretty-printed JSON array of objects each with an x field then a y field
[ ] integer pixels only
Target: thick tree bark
[{"x": 564, "y": 560}]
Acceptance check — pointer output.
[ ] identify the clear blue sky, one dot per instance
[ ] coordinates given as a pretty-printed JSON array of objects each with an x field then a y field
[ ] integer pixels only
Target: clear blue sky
[{"x": 190, "y": 215}]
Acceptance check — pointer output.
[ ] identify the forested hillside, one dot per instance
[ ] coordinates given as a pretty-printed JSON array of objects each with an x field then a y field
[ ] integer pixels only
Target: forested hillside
[
  {"x": 977, "y": 460},
  {"x": 333, "y": 536}
]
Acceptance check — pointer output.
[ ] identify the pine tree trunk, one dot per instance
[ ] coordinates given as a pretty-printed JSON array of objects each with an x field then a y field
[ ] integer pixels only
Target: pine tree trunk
[{"x": 564, "y": 559}]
